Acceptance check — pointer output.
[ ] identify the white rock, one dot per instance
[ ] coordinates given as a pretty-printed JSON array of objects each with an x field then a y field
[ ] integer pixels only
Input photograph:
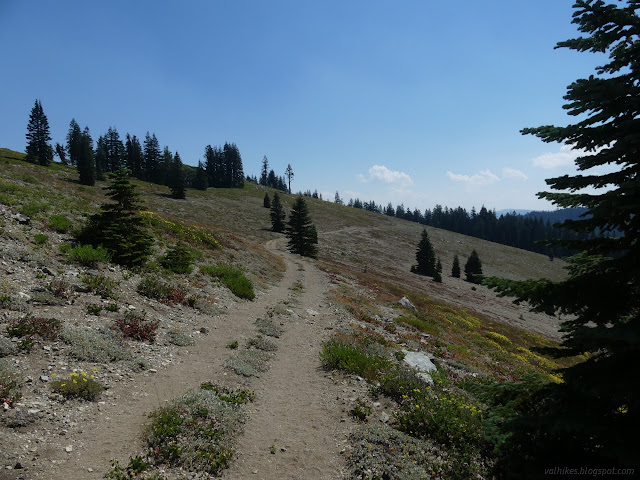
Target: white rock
[
  {"x": 68, "y": 449},
  {"x": 405, "y": 302},
  {"x": 421, "y": 362}
]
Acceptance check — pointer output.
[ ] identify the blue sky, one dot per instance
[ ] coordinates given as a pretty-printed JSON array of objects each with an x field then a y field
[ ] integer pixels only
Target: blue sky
[{"x": 408, "y": 102}]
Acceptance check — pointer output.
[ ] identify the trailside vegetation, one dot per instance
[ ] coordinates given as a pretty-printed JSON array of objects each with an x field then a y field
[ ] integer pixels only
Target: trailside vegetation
[{"x": 300, "y": 231}]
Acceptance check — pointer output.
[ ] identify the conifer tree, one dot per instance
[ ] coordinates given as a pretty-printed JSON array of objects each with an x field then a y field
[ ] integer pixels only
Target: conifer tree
[
  {"x": 152, "y": 157},
  {"x": 200, "y": 182},
  {"x": 455, "y": 269},
  {"x": 264, "y": 173},
  {"x": 437, "y": 274},
  {"x": 119, "y": 227},
  {"x": 425, "y": 257},
  {"x": 300, "y": 230},
  {"x": 177, "y": 178},
  {"x": 289, "y": 174},
  {"x": 277, "y": 214},
  {"x": 39, "y": 150},
  {"x": 266, "y": 202},
  {"x": 62, "y": 154},
  {"x": 101, "y": 158},
  {"x": 73, "y": 141},
  {"x": 134, "y": 157},
  {"x": 473, "y": 267},
  {"x": 592, "y": 417},
  {"x": 83, "y": 151}
]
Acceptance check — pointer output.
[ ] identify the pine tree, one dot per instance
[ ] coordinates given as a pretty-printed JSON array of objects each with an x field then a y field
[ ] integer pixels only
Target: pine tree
[
  {"x": 134, "y": 158},
  {"x": 473, "y": 267},
  {"x": 264, "y": 173},
  {"x": 266, "y": 202},
  {"x": 425, "y": 257},
  {"x": 39, "y": 150},
  {"x": 62, "y": 154},
  {"x": 289, "y": 174},
  {"x": 455, "y": 269},
  {"x": 437, "y": 274},
  {"x": 152, "y": 157},
  {"x": 119, "y": 227},
  {"x": 177, "y": 178},
  {"x": 300, "y": 230},
  {"x": 200, "y": 182},
  {"x": 592, "y": 417},
  {"x": 337, "y": 200},
  {"x": 85, "y": 163},
  {"x": 101, "y": 158},
  {"x": 73, "y": 141},
  {"x": 277, "y": 214},
  {"x": 114, "y": 150}
]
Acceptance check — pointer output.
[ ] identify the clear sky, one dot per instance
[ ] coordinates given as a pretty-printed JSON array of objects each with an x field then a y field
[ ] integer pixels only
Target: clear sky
[{"x": 414, "y": 102}]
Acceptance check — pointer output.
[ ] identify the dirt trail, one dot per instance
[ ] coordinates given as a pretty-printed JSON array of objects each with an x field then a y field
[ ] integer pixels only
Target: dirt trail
[{"x": 296, "y": 408}]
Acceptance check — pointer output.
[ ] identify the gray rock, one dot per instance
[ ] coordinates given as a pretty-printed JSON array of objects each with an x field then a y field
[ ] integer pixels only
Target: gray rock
[
  {"x": 421, "y": 362},
  {"x": 22, "y": 219},
  {"x": 405, "y": 302},
  {"x": 384, "y": 417}
]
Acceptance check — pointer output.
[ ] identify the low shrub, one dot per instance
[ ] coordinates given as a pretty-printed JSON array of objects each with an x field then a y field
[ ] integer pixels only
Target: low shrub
[
  {"x": 46, "y": 328},
  {"x": 137, "y": 327},
  {"x": 9, "y": 383},
  {"x": 248, "y": 363},
  {"x": 111, "y": 307},
  {"x": 237, "y": 397},
  {"x": 339, "y": 355},
  {"x": 32, "y": 208},
  {"x": 60, "y": 288},
  {"x": 233, "y": 345},
  {"x": 40, "y": 239},
  {"x": 178, "y": 259},
  {"x": 60, "y": 223},
  {"x": 77, "y": 385},
  {"x": 197, "y": 431},
  {"x": 267, "y": 327},
  {"x": 87, "y": 255},
  {"x": 97, "y": 346},
  {"x": 7, "y": 347},
  {"x": 101, "y": 285},
  {"x": 93, "y": 309},
  {"x": 176, "y": 337},
  {"x": 262, "y": 343},
  {"x": 232, "y": 278},
  {"x": 155, "y": 288},
  {"x": 361, "y": 410}
]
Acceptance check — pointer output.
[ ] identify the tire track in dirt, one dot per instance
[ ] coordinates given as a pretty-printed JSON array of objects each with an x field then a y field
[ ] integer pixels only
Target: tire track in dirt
[
  {"x": 297, "y": 411},
  {"x": 114, "y": 430}
]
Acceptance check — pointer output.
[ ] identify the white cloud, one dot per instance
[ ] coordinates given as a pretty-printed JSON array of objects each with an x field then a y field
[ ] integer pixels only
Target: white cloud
[
  {"x": 383, "y": 174},
  {"x": 513, "y": 173},
  {"x": 484, "y": 177},
  {"x": 565, "y": 157}
]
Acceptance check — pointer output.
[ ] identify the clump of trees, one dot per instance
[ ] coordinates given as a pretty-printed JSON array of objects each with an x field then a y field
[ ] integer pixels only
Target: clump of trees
[{"x": 269, "y": 179}]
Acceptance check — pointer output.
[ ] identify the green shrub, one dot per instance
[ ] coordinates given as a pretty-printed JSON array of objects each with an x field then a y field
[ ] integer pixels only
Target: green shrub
[
  {"x": 196, "y": 431},
  {"x": 339, "y": 355},
  {"x": 155, "y": 288},
  {"x": 32, "y": 208},
  {"x": 93, "y": 309},
  {"x": 361, "y": 410},
  {"x": 178, "y": 259},
  {"x": 9, "y": 384},
  {"x": 232, "y": 278},
  {"x": 87, "y": 255},
  {"x": 97, "y": 346},
  {"x": 77, "y": 385},
  {"x": 112, "y": 307},
  {"x": 101, "y": 285},
  {"x": 233, "y": 345},
  {"x": 137, "y": 327},
  {"x": 40, "y": 239},
  {"x": 60, "y": 288},
  {"x": 60, "y": 223},
  {"x": 237, "y": 397}
]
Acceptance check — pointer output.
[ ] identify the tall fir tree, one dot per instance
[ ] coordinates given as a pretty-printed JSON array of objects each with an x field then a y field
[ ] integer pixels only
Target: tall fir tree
[
  {"x": 177, "y": 178},
  {"x": 84, "y": 159},
  {"x": 73, "y": 141},
  {"x": 455, "y": 269},
  {"x": 592, "y": 417},
  {"x": 119, "y": 227},
  {"x": 425, "y": 257},
  {"x": 300, "y": 230},
  {"x": 101, "y": 158},
  {"x": 277, "y": 214},
  {"x": 134, "y": 157},
  {"x": 264, "y": 172},
  {"x": 62, "y": 154},
  {"x": 114, "y": 150},
  {"x": 152, "y": 157},
  {"x": 473, "y": 267},
  {"x": 39, "y": 149},
  {"x": 214, "y": 164},
  {"x": 200, "y": 182},
  {"x": 266, "y": 201},
  {"x": 289, "y": 174}
]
